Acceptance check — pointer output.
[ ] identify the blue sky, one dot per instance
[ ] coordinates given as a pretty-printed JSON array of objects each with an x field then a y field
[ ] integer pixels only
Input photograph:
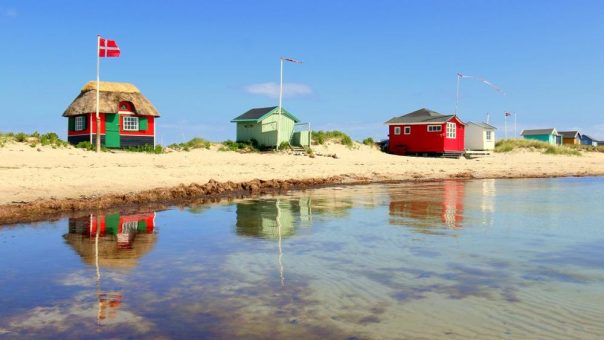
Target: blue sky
[{"x": 203, "y": 63}]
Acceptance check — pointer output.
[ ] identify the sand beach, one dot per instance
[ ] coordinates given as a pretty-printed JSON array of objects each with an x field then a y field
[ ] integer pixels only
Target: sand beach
[{"x": 46, "y": 177}]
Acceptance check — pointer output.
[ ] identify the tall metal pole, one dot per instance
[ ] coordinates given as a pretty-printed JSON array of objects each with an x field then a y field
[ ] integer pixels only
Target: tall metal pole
[
  {"x": 457, "y": 95},
  {"x": 98, "y": 80},
  {"x": 515, "y": 132},
  {"x": 280, "y": 100},
  {"x": 505, "y": 122}
]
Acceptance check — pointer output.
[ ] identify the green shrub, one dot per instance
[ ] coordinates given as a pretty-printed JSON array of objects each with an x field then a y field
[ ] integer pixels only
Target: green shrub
[
  {"x": 86, "y": 146},
  {"x": 320, "y": 137},
  {"x": 229, "y": 145},
  {"x": 283, "y": 145},
  {"x": 21, "y": 137},
  {"x": 148, "y": 148},
  {"x": 368, "y": 141}
]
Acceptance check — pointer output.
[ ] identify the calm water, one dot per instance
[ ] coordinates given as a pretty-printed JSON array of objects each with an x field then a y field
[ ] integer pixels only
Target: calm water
[{"x": 475, "y": 259}]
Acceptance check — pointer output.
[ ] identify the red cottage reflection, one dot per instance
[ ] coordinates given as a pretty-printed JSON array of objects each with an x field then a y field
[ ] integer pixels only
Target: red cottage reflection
[{"x": 430, "y": 204}]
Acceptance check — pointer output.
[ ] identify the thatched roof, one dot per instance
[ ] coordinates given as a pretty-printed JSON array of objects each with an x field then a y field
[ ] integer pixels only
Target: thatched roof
[
  {"x": 109, "y": 254},
  {"x": 111, "y": 94}
]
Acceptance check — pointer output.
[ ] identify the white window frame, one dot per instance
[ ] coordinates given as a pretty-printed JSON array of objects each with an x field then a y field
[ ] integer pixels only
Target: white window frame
[
  {"x": 407, "y": 130},
  {"x": 489, "y": 136},
  {"x": 397, "y": 130},
  {"x": 435, "y": 128},
  {"x": 451, "y": 130},
  {"x": 80, "y": 122},
  {"x": 130, "y": 123}
]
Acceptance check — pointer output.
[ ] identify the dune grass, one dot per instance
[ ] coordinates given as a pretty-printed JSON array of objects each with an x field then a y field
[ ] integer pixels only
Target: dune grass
[
  {"x": 194, "y": 143},
  {"x": 508, "y": 145},
  {"x": 320, "y": 137},
  {"x": 33, "y": 139}
]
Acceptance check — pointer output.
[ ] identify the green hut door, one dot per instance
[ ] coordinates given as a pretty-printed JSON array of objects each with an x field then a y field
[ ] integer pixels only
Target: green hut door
[{"x": 112, "y": 130}]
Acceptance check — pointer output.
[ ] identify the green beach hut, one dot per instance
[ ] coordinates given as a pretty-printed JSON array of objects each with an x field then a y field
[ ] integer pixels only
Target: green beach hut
[
  {"x": 269, "y": 128},
  {"x": 550, "y": 136}
]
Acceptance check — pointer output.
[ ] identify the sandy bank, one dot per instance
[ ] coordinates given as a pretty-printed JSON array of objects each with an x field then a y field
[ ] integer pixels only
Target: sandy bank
[{"x": 45, "y": 177}]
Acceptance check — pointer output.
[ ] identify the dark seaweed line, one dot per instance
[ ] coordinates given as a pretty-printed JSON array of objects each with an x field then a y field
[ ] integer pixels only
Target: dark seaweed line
[{"x": 196, "y": 194}]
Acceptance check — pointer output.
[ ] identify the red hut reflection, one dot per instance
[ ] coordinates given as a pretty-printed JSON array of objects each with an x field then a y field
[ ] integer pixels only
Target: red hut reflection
[
  {"x": 433, "y": 204},
  {"x": 112, "y": 241}
]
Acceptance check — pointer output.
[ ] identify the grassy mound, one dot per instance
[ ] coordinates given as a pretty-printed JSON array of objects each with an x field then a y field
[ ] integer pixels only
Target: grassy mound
[
  {"x": 33, "y": 139},
  {"x": 508, "y": 145},
  {"x": 195, "y": 143},
  {"x": 320, "y": 137}
]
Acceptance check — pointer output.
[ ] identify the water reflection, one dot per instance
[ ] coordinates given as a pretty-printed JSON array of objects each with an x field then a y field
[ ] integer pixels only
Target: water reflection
[
  {"x": 112, "y": 241},
  {"x": 119, "y": 239},
  {"x": 272, "y": 218},
  {"x": 326, "y": 263},
  {"x": 428, "y": 205}
]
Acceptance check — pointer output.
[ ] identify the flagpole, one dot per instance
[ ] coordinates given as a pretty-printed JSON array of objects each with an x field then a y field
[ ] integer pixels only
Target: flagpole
[
  {"x": 515, "y": 131},
  {"x": 505, "y": 120},
  {"x": 98, "y": 118},
  {"x": 280, "y": 100},
  {"x": 457, "y": 94}
]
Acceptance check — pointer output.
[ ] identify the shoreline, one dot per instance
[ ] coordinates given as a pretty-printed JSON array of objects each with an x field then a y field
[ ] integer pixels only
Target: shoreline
[
  {"x": 45, "y": 183},
  {"x": 198, "y": 194}
]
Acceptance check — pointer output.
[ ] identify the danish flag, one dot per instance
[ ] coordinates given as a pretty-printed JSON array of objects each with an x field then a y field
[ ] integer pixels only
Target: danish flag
[{"x": 108, "y": 48}]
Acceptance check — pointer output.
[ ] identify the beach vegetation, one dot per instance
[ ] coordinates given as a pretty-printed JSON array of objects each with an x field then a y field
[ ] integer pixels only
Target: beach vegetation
[
  {"x": 368, "y": 141},
  {"x": 146, "y": 148},
  {"x": 321, "y": 137},
  {"x": 229, "y": 145},
  {"x": 508, "y": 145},
  {"x": 194, "y": 143},
  {"x": 33, "y": 139}
]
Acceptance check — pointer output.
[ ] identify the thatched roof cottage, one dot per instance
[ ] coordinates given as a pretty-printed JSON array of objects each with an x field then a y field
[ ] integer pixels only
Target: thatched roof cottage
[{"x": 127, "y": 116}]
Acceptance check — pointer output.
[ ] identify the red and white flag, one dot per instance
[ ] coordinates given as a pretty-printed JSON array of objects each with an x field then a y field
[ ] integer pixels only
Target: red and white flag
[{"x": 108, "y": 48}]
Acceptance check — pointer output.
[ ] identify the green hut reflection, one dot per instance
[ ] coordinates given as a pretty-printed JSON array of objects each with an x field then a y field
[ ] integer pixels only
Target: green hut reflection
[{"x": 272, "y": 218}]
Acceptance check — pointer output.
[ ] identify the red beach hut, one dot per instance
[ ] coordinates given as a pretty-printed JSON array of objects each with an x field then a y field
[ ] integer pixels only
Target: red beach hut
[
  {"x": 127, "y": 116},
  {"x": 426, "y": 132}
]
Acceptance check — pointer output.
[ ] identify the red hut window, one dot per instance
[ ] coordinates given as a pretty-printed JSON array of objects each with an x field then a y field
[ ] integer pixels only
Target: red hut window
[
  {"x": 125, "y": 106},
  {"x": 451, "y": 130}
]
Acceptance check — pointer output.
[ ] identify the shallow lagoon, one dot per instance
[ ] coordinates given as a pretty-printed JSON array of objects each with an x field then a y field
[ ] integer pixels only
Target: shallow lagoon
[{"x": 480, "y": 258}]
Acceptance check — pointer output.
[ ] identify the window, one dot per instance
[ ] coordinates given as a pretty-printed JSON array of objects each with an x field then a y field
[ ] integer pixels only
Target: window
[
  {"x": 130, "y": 123},
  {"x": 435, "y": 128},
  {"x": 451, "y": 130},
  {"x": 489, "y": 135},
  {"x": 125, "y": 106},
  {"x": 397, "y": 130},
  {"x": 80, "y": 122},
  {"x": 407, "y": 130}
]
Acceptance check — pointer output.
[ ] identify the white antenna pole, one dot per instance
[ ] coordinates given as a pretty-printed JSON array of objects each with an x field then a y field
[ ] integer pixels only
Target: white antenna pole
[
  {"x": 457, "y": 94},
  {"x": 98, "y": 80},
  {"x": 515, "y": 131},
  {"x": 488, "y": 118},
  {"x": 280, "y": 100},
  {"x": 505, "y": 120}
]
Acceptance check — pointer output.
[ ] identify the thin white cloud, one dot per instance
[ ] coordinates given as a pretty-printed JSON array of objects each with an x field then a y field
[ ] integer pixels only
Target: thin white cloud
[
  {"x": 272, "y": 89},
  {"x": 8, "y": 12}
]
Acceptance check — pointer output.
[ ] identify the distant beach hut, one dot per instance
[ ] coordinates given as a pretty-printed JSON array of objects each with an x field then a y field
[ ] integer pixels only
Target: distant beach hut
[
  {"x": 479, "y": 136},
  {"x": 588, "y": 140},
  {"x": 550, "y": 136},
  {"x": 127, "y": 116},
  {"x": 570, "y": 137},
  {"x": 426, "y": 132},
  {"x": 269, "y": 128}
]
